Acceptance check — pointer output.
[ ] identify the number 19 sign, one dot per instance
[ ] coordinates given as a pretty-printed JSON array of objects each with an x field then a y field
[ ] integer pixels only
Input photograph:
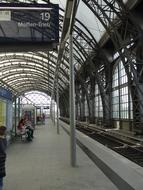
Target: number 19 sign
[
  {"x": 21, "y": 22},
  {"x": 45, "y": 16}
]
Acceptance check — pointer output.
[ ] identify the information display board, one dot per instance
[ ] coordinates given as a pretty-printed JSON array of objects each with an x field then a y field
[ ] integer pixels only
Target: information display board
[
  {"x": 27, "y": 24},
  {"x": 5, "y": 93}
]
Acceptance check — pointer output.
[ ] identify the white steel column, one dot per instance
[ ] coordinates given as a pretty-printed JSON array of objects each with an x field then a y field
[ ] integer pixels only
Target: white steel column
[
  {"x": 72, "y": 104},
  {"x": 15, "y": 116},
  {"x": 51, "y": 109},
  {"x": 54, "y": 111},
  {"x": 58, "y": 131}
]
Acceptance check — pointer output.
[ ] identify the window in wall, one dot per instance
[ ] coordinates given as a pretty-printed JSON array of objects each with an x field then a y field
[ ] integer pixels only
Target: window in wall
[
  {"x": 121, "y": 98},
  {"x": 122, "y": 73},
  {"x": 98, "y": 103},
  {"x": 115, "y": 78},
  {"x": 86, "y": 108},
  {"x": 78, "y": 110},
  {"x": 115, "y": 103}
]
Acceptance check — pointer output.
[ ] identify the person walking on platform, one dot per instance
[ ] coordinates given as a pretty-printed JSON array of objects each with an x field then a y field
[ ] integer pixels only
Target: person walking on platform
[{"x": 3, "y": 144}]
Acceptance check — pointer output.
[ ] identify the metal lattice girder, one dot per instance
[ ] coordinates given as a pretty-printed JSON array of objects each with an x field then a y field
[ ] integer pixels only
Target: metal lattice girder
[
  {"x": 122, "y": 30},
  {"x": 24, "y": 63},
  {"x": 104, "y": 10},
  {"x": 85, "y": 41}
]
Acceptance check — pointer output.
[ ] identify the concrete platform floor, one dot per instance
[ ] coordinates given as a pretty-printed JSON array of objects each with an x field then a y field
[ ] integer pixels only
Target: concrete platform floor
[{"x": 44, "y": 164}]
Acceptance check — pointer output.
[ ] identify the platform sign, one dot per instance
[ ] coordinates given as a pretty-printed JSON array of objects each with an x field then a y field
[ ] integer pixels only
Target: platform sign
[
  {"x": 4, "y": 93},
  {"x": 28, "y": 24}
]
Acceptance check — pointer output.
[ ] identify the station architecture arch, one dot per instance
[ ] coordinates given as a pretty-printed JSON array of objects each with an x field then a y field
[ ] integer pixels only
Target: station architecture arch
[{"x": 104, "y": 32}]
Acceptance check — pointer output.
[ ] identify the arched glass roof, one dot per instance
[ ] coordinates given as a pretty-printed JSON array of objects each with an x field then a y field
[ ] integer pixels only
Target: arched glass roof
[
  {"x": 35, "y": 70},
  {"x": 36, "y": 98}
]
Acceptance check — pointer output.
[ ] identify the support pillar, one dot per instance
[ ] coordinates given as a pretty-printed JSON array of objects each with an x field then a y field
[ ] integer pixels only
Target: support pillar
[
  {"x": 19, "y": 109},
  {"x": 58, "y": 131},
  {"x": 72, "y": 104},
  {"x": 15, "y": 113}
]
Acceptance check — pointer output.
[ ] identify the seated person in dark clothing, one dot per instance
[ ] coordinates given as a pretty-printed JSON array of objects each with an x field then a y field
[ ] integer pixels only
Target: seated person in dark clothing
[
  {"x": 28, "y": 126},
  {"x": 3, "y": 144}
]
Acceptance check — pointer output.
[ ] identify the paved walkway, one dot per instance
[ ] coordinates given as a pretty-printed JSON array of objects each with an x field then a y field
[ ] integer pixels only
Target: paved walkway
[{"x": 44, "y": 164}]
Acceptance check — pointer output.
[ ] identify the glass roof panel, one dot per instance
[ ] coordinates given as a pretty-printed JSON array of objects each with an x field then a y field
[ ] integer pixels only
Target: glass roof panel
[
  {"x": 62, "y": 3},
  {"x": 37, "y": 98},
  {"x": 85, "y": 15},
  {"x": 46, "y": 62}
]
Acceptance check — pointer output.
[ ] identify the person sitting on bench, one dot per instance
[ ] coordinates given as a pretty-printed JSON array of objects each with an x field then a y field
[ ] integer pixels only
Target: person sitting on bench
[
  {"x": 28, "y": 126},
  {"x": 21, "y": 126}
]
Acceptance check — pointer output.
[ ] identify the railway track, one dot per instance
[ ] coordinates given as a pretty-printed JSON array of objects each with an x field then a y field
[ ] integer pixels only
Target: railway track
[{"x": 128, "y": 146}]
